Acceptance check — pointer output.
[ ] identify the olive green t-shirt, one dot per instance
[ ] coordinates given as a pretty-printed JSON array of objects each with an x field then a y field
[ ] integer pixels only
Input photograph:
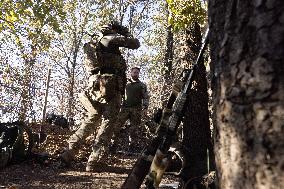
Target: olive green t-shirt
[{"x": 136, "y": 94}]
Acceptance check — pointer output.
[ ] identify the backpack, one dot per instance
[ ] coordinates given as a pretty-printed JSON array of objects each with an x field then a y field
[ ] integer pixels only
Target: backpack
[
  {"x": 16, "y": 142},
  {"x": 92, "y": 53}
]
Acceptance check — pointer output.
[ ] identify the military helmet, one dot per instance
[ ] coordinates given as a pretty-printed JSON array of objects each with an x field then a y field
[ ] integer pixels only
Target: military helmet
[
  {"x": 105, "y": 27},
  {"x": 113, "y": 25}
]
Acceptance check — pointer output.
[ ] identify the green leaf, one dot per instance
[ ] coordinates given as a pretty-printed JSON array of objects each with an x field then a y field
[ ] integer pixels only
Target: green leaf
[{"x": 185, "y": 12}]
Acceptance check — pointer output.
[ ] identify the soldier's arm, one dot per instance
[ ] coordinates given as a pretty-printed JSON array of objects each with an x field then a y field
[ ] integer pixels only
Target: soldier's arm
[
  {"x": 125, "y": 41},
  {"x": 146, "y": 96}
]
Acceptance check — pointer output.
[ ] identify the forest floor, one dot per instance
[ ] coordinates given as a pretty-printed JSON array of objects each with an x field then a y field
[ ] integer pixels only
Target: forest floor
[{"x": 33, "y": 175}]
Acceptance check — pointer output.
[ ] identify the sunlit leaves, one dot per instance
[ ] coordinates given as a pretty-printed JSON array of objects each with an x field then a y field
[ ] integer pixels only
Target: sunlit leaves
[
  {"x": 184, "y": 12},
  {"x": 30, "y": 24},
  {"x": 11, "y": 17},
  {"x": 29, "y": 12},
  {"x": 30, "y": 20}
]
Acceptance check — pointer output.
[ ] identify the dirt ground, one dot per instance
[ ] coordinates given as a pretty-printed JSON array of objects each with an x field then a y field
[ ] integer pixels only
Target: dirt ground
[{"x": 32, "y": 175}]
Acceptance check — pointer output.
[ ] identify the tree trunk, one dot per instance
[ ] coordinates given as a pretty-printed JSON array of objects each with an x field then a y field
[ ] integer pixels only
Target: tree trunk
[
  {"x": 71, "y": 77},
  {"x": 247, "y": 40},
  {"x": 196, "y": 128},
  {"x": 168, "y": 62},
  {"x": 71, "y": 88},
  {"x": 25, "y": 93}
]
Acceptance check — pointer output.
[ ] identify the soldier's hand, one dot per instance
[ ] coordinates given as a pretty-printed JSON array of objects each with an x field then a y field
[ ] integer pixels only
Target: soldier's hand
[{"x": 129, "y": 35}]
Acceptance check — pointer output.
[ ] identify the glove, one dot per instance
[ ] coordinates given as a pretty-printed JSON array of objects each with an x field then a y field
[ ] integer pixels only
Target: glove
[
  {"x": 95, "y": 71},
  {"x": 128, "y": 35}
]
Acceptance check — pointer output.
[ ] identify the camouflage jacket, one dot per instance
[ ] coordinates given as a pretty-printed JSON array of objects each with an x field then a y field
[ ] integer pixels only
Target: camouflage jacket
[
  {"x": 136, "y": 94},
  {"x": 107, "y": 78},
  {"x": 109, "y": 55}
]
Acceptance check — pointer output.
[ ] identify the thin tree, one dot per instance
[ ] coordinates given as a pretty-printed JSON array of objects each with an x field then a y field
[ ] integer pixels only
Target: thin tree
[{"x": 196, "y": 141}]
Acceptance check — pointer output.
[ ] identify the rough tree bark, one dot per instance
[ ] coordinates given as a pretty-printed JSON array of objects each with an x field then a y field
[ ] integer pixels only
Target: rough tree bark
[
  {"x": 247, "y": 40},
  {"x": 196, "y": 128}
]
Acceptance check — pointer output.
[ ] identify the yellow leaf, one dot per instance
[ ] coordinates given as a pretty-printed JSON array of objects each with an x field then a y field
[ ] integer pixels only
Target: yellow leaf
[
  {"x": 11, "y": 17},
  {"x": 28, "y": 12},
  {"x": 18, "y": 5}
]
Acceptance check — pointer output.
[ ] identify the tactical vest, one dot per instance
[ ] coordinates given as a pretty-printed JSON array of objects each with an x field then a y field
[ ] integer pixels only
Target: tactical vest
[
  {"x": 106, "y": 67},
  {"x": 92, "y": 56}
]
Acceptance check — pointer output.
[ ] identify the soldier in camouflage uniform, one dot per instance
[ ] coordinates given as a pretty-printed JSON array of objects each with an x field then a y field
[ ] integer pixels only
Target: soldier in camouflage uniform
[
  {"x": 135, "y": 104},
  {"x": 106, "y": 67}
]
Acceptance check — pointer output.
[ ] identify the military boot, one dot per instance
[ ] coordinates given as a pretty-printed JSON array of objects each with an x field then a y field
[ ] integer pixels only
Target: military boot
[
  {"x": 67, "y": 157},
  {"x": 95, "y": 163},
  {"x": 92, "y": 161}
]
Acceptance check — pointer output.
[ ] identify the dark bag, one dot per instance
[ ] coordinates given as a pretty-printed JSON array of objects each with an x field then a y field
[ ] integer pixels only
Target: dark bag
[
  {"x": 108, "y": 86},
  {"x": 16, "y": 142}
]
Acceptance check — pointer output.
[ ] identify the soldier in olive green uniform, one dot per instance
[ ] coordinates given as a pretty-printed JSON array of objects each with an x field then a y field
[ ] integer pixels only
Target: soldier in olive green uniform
[
  {"x": 135, "y": 104},
  {"x": 106, "y": 67}
]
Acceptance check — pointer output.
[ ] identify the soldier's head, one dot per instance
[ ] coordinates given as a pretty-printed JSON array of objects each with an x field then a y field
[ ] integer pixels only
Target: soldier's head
[
  {"x": 107, "y": 29},
  {"x": 135, "y": 71},
  {"x": 114, "y": 27}
]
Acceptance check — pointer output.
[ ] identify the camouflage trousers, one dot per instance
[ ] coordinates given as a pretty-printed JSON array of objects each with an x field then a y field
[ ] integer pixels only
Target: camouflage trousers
[
  {"x": 133, "y": 114},
  {"x": 104, "y": 119}
]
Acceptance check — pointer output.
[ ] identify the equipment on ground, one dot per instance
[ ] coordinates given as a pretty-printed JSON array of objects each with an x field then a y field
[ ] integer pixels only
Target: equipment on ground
[{"x": 16, "y": 142}]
